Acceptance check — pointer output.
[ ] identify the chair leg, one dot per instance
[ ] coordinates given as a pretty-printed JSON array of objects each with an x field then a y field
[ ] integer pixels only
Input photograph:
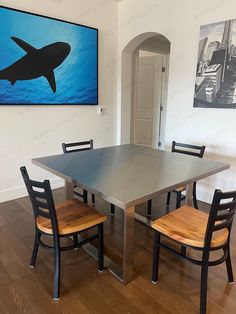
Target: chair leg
[
  {"x": 100, "y": 248},
  {"x": 93, "y": 199},
  {"x": 203, "y": 293},
  {"x": 57, "y": 266},
  {"x": 156, "y": 253},
  {"x": 85, "y": 196},
  {"x": 195, "y": 195},
  {"x": 149, "y": 208},
  {"x": 35, "y": 249},
  {"x": 112, "y": 209},
  {"x": 178, "y": 199},
  {"x": 183, "y": 250},
  {"x": 229, "y": 267},
  {"x": 168, "y": 201},
  {"x": 75, "y": 239}
]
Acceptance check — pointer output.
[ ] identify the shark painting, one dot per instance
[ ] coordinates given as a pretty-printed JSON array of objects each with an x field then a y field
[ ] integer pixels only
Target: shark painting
[
  {"x": 47, "y": 61},
  {"x": 36, "y": 62}
]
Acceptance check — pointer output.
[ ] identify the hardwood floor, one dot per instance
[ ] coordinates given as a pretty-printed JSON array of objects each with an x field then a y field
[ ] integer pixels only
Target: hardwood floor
[{"x": 84, "y": 290}]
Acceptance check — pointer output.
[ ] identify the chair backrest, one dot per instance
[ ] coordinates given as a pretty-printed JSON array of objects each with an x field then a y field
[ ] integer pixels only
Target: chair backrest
[
  {"x": 41, "y": 198},
  {"x": 77, "y": 146},
  {"x": 188, "y": 149},
  {"x": 221, "y": 214}
]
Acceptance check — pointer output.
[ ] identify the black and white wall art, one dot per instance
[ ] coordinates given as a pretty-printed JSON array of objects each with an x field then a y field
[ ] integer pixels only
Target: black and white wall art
[{"x": 215, "y": 85}]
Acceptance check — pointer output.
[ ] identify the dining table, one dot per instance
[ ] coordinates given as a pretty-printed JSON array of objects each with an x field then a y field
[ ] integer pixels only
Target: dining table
[{"x": 127, "y": 175}]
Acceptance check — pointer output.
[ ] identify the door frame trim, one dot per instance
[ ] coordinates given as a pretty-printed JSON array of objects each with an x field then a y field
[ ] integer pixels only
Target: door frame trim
[{"x": 125, "y": 84}]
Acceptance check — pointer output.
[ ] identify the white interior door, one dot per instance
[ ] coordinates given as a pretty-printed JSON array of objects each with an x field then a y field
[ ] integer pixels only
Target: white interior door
[{"x": 148, "y": 100}]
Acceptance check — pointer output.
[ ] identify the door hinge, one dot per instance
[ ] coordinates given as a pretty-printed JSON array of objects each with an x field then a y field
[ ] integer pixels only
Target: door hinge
[
  {"x": 163, "y": 69},
  {"x": 159, "y": 144},
  {"x": 161, "y": 108}
]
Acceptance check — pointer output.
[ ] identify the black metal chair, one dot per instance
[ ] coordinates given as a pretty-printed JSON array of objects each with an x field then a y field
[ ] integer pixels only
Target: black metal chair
[
  {"x": 61, "y": 220},
  {"x": 186, "y": 149},
  {"x": 202, "y": 232},
  {"x": 78, "y": 147}
]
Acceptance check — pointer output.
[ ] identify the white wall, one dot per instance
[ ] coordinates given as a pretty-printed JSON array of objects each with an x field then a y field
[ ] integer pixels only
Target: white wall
[
  {"x": 33, "y": 131},
  {"x": 179, "y": 21}
]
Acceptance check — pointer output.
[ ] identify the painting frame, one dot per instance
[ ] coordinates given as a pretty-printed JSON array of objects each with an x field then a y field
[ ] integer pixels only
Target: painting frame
[
  {"x": 215, "y": 80},
  {"x": 96, "y": 69}
]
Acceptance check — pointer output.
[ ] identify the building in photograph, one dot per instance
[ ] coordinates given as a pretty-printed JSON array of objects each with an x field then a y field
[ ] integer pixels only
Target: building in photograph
[{"x": 210, "y": 50}]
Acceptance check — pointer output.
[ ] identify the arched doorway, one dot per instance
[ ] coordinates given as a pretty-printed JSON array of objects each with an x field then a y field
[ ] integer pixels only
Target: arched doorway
[{"x": 144, "y": 82}]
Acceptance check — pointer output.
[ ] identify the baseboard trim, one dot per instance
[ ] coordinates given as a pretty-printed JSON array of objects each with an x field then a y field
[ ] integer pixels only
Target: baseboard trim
[{"x": 18, "y": 192}]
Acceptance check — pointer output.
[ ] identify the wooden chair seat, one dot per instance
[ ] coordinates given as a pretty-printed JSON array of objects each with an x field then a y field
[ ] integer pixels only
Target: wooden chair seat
[
  {"x": 73, "y": 216},
  {"x": 187, "y": 225}
]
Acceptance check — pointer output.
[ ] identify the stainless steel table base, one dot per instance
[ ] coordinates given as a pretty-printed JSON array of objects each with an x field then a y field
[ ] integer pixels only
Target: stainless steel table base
[
  {"x": 69, "y": 187},
  {"x": 189, "y": 202},
  {"x": 128, "y": 250},
  {"x": 125, "y": 273},
  {"x": 146, "y": 221},
  {"x": 189, "y": 194},
  {"x": 110, "y": 265}
]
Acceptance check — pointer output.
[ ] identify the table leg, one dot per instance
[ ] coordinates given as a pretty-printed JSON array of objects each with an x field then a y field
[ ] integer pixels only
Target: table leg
[
  {"x": 128, "y": 253},
  {"x": 125, "y": 274},
  {"x": 189, "y": 194},
  {"x": 189, "y": 202},
  {"x": 69, "y": 187}
]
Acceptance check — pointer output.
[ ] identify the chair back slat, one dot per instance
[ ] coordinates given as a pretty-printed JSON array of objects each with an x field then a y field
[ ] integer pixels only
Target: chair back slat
[
  {"x": 40, "y": 206},
  {"x": 42, "y": 201},
  {"x": 224, "y": 216},
  {"x": 221, "y": 214},
  {"x": 77, "y": 146},
  {"x": 39, "y": 194},
  {"x": 227, "y": 195},
  {"x": 36, "y": 184},
  {"x": 224, "y": 224},
  {"x": 226, "y": 205},
  {"x": 188, "y": 149}
]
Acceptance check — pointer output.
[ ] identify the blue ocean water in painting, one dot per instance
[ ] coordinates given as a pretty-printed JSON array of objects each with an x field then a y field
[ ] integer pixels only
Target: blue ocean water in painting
[{"x": 76, "y": 77}]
